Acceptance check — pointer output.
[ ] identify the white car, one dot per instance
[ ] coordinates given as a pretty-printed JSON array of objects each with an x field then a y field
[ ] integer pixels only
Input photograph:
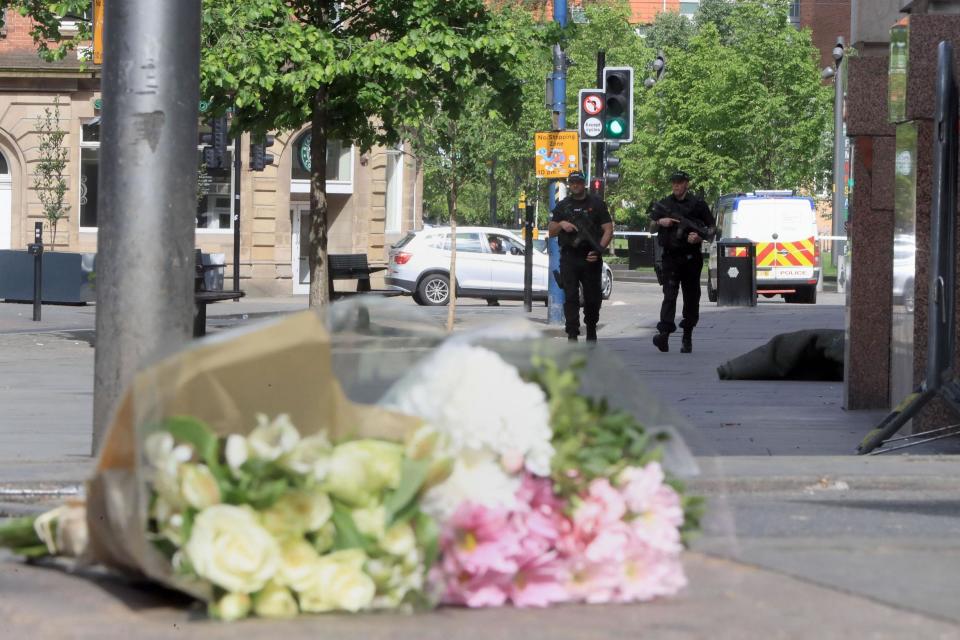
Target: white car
[{"x": 420, "y": 265}]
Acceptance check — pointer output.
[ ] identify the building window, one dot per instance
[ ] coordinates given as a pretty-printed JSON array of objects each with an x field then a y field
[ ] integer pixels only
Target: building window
[
  {"x": 214, "y": 186},
  {"x": 89, "y": 172},
  {"x": 688, "y": 9},
  {"x": 795, "y": 13},
  {"x": 394, "y": 200},
  {"x": 339, "y": 166},
  {"x": 214, "y": 190},
  {"x": 4, "y": 169}
]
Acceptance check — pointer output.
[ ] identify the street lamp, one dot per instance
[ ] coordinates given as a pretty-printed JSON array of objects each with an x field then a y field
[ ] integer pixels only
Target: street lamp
[
  {"x": 827, "y": 73},
  {"x": 838, "y": 146}
]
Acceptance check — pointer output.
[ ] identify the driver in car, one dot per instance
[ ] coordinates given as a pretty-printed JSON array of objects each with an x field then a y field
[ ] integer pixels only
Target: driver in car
[{"x": 496, "y": 245}]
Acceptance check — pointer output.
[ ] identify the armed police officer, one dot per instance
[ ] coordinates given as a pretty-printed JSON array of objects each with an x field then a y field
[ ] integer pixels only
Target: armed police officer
[
  {"x": 683, "y": 222},
  {"x": 584, "y": 229}
]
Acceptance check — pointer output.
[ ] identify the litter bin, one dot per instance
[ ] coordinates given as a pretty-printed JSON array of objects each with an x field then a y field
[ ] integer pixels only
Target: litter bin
[{"x": 736, "y": 273}]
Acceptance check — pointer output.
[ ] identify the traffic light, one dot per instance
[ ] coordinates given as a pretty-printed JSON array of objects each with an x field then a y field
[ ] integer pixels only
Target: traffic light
[
  {"x": 259, "y": 158},
  {"x": 596, "y": 187},
  {"x": 611, "y": 163},
  {"x": 618, "y": 96},
  {"x": 215, "y": 151}
]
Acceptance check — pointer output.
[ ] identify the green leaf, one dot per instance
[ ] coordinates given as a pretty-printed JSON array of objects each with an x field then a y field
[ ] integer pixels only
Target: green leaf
[
  {"x": 348, "y": 536},
  {"x": 428, "y": 537},
  {"x": 197, "y": 433},
  {"x": 413, "y": 473}
]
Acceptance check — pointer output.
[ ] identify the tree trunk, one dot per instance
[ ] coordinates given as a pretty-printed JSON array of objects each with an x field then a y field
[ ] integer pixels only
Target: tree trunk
[
  {"x": 319, "y": 286},
  {"x": 452, "y": 206},
  {"x": 53, "y": 235}
]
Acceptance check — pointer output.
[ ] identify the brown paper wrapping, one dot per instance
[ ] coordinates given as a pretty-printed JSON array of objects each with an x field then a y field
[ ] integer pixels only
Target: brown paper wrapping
[{"x": 284, "y": 367}]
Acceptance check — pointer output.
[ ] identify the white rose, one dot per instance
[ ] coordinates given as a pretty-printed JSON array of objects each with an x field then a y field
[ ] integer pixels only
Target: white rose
[
  {"x": 298, "y": 512},
  {"x": 399, "y": 540},
  {"x": 236, "y": 451},
  {"x": 370, "y": 521},
  {"x": 297, "y": 564},
  {"x": 270, "y": 440},
  {"x": 157, "y": 448},
  {"x": 230, "y": 607},
  {"x": 275, "y": 602},
  {"x": 338, "y": 586},
  {"x": 310, "y": 457},
  {"x": 228, "y": 547},
  {"x": 361, "y": 469},
  {"x": 199, "y": 486}
]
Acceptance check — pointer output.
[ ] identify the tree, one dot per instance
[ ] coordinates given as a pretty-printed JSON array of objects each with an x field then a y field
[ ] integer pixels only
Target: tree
[
  {"x": 47, "y": 16},
  {"x": 355, "y": 70},
  {"x": 743, "y": 115},
  {"x": 48, "y": 178},
  {"x": 670, "y": 30},
  {"x": 717, "y": 13}
]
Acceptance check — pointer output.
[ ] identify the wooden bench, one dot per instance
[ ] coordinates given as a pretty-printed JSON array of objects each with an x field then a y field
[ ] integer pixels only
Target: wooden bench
[
  {"x": 353, "y": 266},
  {"x": 203, "y": 296}
]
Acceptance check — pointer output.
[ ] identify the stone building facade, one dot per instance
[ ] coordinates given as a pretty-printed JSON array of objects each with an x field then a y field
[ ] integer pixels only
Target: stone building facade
[{"x": 375, "y": 197}]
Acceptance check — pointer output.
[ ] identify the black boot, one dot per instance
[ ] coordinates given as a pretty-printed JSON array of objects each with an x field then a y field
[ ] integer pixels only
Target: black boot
[
  {"x": 686, "y": 345},
  {"x": 591, "y": 333},
  {"x": 571, "y": 337},
  {"x": 661, "y": 341}
]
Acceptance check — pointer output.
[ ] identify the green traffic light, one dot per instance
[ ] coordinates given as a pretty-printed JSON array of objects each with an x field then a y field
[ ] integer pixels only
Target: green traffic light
[{"x": 616, "y": 127}]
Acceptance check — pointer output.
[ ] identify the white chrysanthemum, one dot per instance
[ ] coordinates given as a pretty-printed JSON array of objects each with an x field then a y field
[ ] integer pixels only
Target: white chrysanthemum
[
  {"x": 476, "y": 479},
  {"x": 480, "y": 403}
]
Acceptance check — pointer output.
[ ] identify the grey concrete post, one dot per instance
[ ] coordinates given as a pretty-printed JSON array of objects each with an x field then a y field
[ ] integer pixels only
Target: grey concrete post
[{"x": 146, "y": 205}]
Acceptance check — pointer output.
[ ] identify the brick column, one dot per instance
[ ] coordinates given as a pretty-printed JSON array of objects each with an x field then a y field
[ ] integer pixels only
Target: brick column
[{"x": 871, "y": 233}]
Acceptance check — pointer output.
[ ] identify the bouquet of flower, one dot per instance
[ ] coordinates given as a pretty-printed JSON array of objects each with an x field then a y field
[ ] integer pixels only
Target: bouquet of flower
[
  {"x": 280, "y": 524},
  {"x": 239, "y": 472},
  {"x": 554, "y": 497}
]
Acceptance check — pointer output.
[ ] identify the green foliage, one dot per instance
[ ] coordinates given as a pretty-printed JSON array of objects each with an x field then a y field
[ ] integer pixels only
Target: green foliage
[
  {"x": 591, "y": 439},
  {"x": 46, "y": 16},
  {"x": 49, "y": 180},
  {"x": 670, "y": 30}
]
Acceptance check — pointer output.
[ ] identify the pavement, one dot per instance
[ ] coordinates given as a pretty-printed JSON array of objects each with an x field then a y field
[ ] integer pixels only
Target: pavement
[{"x": 802, "y": 539}]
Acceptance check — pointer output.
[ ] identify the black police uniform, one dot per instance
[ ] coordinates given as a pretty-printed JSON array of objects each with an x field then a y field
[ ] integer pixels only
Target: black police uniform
[
  {"x": 682, "y": 262},
  {"x": 575, "y": 270}
]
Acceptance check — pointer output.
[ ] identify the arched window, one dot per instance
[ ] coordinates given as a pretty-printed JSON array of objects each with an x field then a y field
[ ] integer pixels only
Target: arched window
[{"x": 4, "y": 168}]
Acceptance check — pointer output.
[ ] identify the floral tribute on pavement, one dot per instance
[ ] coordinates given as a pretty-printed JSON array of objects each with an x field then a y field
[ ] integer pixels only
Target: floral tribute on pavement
[{"x": 516, "y": 489}]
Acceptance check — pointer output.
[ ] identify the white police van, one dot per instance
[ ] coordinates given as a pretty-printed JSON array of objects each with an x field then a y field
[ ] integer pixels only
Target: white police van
[{"x": 783, "y": 227}]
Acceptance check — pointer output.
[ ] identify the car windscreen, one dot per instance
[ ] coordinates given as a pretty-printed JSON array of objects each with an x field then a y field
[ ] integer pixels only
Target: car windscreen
[{"x": 761, "y": 218}]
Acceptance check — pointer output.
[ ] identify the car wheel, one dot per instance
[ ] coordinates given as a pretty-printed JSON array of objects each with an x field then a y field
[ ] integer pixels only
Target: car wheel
[
  {"x": 418, "y": 299},
  {"x": 434, "y": 290},
  {"x": 607, "y": 285}
]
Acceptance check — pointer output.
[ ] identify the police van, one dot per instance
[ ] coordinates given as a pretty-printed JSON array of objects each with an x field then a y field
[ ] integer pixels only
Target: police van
[{"x": 783, "y": 227}]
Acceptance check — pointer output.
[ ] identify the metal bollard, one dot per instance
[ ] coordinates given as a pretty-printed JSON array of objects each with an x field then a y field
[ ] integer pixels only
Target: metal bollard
[{"x": 35, "y": 249}]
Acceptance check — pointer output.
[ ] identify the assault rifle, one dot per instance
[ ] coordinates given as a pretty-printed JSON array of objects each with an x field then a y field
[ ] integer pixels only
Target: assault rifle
[
  {"x": 683, "y": 227},
  {"x": 584, "y": 237}
]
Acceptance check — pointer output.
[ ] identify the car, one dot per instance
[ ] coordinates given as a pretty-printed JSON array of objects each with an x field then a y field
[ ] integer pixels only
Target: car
[
  {"x": 490, "y": 265},
  {"x": 904, "y": 268}
]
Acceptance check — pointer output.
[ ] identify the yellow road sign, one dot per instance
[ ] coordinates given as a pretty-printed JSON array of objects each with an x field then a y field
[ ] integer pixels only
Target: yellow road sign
[
  {"x": 98, "y": 31},
  {"x": 557, "y": 153}
]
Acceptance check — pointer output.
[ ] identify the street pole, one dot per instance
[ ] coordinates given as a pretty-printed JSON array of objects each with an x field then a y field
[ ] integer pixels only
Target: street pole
[
  {"x": 601, "y": 148},
  {"x": 237, "y": 173},
  {"x": 838, "y": 148},
  {"x": 554, "y": 292},
  {"x": 147, "y": 200}
]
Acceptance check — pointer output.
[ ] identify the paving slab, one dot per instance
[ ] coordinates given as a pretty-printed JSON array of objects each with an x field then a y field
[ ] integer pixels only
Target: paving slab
[{"x": 724, "y": 600}]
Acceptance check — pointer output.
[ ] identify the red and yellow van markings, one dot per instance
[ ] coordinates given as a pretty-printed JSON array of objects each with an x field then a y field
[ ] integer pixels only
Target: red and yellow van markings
[{"x": 800, "y": 253}]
